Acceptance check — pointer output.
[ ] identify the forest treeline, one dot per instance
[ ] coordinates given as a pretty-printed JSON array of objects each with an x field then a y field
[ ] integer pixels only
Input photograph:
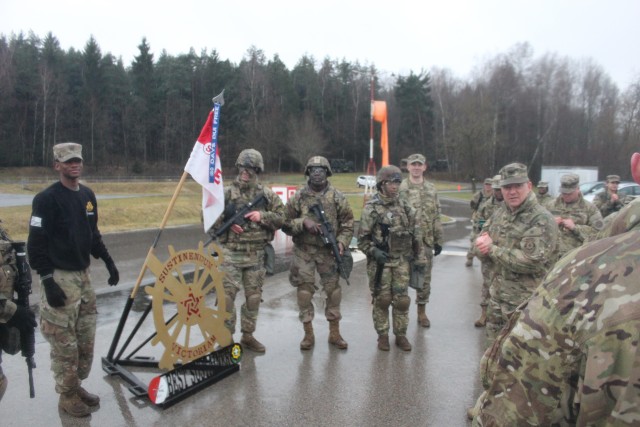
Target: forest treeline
[{"x": 539, "y": 110}]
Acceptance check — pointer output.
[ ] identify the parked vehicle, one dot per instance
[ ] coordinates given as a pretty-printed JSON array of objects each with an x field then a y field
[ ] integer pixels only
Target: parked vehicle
[
  {"x": 626, "y": 188},
  {"x": 366, "y": 181},
  {"x": 552, "y": 175},
  {"x": 341, "y": 165},
  {"x": 591, "y": 187}
]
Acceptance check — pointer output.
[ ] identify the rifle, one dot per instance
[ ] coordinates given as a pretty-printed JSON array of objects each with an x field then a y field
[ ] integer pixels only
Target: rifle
[
  {"x": 329, "y": 238},
  {"x": 22, "y": 288},
  {"x": 233, "y": 216},
  {"x": 384, "y": 246}
]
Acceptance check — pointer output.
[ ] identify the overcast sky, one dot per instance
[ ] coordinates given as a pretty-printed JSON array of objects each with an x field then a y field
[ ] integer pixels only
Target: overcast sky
[{"x": 396, "y": 35}]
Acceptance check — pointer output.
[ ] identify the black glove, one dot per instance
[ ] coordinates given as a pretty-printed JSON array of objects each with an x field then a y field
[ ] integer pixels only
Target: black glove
[
  {"x": 23, "y": 319},
  {"x": 114, "y": 275},
  {"x": 437, "y": 249},
  {"x": 54, "y": 293},
  {"x": 380, "y": 256}
]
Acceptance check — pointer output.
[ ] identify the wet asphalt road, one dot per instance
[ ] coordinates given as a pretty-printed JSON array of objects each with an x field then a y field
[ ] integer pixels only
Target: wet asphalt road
[{"x": 431, "y": 385}]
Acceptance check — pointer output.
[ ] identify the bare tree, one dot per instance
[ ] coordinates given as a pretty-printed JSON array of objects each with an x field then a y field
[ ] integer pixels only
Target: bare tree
[{"x": 305, "y": 140}]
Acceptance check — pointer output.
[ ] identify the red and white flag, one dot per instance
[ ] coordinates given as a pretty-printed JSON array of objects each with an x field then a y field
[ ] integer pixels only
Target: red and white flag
[{"x": 198, "y": 168}]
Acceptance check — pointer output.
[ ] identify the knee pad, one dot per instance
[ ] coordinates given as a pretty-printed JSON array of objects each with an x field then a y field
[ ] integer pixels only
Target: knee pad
[
  {"x": 402, "y": 303},
  {"x": 334, "y": 296},
  {"x": 304, "y": 294},
  {"x": 253, "y": 300},
  {"x": 383, "y": 301}
]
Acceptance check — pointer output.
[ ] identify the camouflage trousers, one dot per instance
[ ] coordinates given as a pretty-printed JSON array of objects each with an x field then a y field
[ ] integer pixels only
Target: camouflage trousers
[
  {"x": 243, "y": 270},
  {"x": 393, "y": 292},
  {"x": 422, "y": 295},
  {"x": 487, "y": 270},
  {"x": 70, "y": 330},
  {"x": 505, "y": 297},
  {"x": 472, "y": 242},
  {"x": 302, "y": 276}
]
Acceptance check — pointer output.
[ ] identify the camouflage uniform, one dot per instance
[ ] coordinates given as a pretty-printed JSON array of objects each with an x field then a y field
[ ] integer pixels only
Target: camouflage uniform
[
  {"x": 424, "y": 199},
  {"x": 7, "y": 279},
  {"x": 63, "y": 234},
  {"x": 486, "y": 211},
  {"x": 244, "y": 253},
  {"x": 405, "y": 242},
  {"x": 628, "y": 218},
  {"x": 545, "y": 199},
  {"x": 586, "y": 217},
  {"x": 603, "y": 200},
  {"x": 571, "y": 357},
  {"x": 310, "y": 252},
  {"x": 477, "y": 200},
  {"x": 524, "y": 242}
]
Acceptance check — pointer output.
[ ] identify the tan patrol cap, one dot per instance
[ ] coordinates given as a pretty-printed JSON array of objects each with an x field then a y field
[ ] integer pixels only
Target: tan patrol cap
[
  {"x": 543, "y": 184},
  {"x": 419, "y": 158},
  {"x": 569, "y": 182},
  {"x": 67, "y": 151},
  {"x": 613, "y": 178},
  {"x": 488, "y": 181}
]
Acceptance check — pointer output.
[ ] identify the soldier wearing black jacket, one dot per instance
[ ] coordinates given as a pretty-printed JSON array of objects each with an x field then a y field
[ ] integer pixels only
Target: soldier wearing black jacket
[{"x": 63, "y": 232}]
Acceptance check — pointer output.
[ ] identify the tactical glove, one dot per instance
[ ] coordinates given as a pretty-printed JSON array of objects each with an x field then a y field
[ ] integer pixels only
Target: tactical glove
[
  {"x": 23, "y": 319},
  {"x": 380, "y": 256},
  {"x": 114, "y": 275},
  {"x": 54, "y": 293},
  {"x": 437, "y": 249}
]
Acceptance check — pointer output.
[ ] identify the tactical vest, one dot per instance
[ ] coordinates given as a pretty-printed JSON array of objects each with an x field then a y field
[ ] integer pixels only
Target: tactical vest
[
  {"x": 395, "y": 216},
  {"x": 330, "y": 200},
  {"x": 254, "y": 236}
]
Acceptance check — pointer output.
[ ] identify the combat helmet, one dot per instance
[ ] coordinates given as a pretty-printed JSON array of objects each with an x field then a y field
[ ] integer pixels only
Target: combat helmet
[
  {"x": 388, "y": 173},
  {"x": 250, "y": 158},
  {"x": 318, "y": 161}
]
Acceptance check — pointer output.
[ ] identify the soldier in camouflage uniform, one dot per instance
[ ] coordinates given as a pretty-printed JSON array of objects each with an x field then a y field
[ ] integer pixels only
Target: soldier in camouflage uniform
[
  {"x": 577, "y": 218},
  {"x": 618, "y": 222},
  {"x": 608, "y": 201},
  {"x": 244, "y": 246},
  {"x": 423, "y": 197},
  {"x": 476, "y": 202},
  {"x": 11, "y": 315},
  {"x": 63, "y": 233},
  {"x": 562, "y": 363},
  {"x": 310, "y": 252},
  {"x": 391, "y": 238},
  {"x": 572, "y": 355},
  {"x": 544, "y": 198},
  {"x": 520, "y": 240},
  {"x": 493, "y": 203}
]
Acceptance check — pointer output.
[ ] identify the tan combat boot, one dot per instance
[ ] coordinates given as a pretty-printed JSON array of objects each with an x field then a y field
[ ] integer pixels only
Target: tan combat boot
[
  {"x": 383, "y": 342},
  {"x": 89, "y": 399},
  {"x": 423, "y": 320},
  {"x": 70, "y": 403},
  {"x": 334, "y": 335},
  {"x": 249, "y": 341},
  {"x": 309, "y": 339},
  {"x": 482, "y": 321},
  {"x": 403, "y": 343}
]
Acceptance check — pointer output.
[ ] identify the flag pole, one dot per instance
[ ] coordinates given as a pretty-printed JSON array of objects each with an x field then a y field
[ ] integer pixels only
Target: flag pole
[
  {"x": 134, "y": 291},
  {"x": 218, "y": 101},
  {"x": 157, "y": 239}
]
